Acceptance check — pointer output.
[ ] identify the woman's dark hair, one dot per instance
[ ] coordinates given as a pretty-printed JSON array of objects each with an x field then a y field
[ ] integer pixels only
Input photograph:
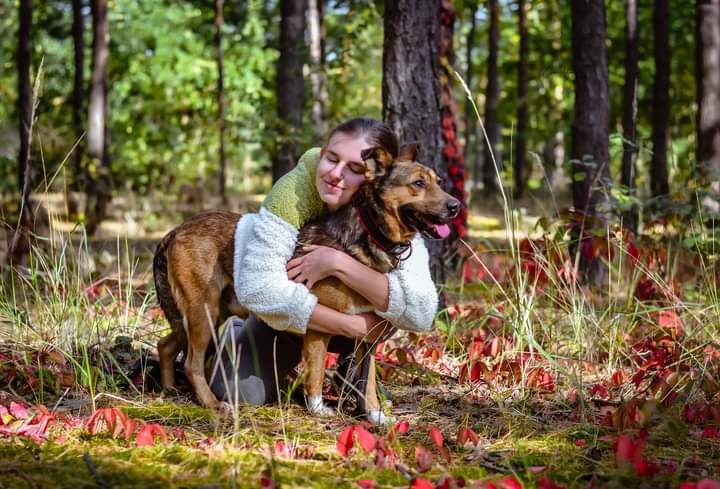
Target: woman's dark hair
[{"x": 376, "y": 132}]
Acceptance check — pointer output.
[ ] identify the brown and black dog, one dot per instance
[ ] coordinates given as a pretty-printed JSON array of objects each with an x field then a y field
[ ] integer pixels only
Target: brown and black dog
[{"x": 193, "y": 265}]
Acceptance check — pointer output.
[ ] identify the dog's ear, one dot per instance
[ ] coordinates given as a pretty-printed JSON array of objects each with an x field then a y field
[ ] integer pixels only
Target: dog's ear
[
  {"x": 377, "y": 160},
  {"x": 409, "y": 152}
]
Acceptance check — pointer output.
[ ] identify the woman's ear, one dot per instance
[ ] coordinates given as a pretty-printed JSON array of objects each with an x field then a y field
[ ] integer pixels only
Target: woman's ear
[
  {"x": 409, "y": 152},
  {"x": 377, "y": 160}
]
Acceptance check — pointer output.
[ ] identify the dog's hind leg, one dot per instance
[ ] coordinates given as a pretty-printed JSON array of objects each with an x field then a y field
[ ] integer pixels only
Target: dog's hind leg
[
  {"x": 168, "y": 349},
  {"x": 201, "y": 321},
  {"x": 367, "y": 398},
  {"x": 314, "y": 348}
]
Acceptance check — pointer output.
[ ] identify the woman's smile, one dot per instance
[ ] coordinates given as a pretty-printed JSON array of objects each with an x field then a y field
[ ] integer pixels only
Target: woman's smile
[{"x": 333, "y": 187}]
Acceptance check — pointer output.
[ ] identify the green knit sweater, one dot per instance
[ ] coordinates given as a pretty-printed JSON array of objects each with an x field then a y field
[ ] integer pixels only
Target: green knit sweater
[{"x": 294, "y": 198}]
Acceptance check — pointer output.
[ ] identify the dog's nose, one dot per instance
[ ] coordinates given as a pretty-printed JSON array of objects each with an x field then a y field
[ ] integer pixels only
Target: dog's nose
[{"x": 453, "y": 206}]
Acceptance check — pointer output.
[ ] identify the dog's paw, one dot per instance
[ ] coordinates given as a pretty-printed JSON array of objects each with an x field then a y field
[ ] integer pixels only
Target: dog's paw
[
  {"x": 379, "y": 418},
  {"x": 317, "y": 407}
]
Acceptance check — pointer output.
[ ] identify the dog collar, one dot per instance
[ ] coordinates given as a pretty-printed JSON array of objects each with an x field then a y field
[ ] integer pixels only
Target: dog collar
[{"x": 392, "y": 248}]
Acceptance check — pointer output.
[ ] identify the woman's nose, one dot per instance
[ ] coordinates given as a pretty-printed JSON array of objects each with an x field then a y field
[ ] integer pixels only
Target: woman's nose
[{"x": 337, "y": 170}]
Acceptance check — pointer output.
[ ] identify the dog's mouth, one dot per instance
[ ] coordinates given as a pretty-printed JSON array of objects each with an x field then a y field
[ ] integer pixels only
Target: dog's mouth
[{"x": 431, "y": 226}]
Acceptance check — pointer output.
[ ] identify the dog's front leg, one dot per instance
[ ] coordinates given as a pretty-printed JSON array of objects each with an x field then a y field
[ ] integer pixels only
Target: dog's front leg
[
  {"x": 314, "y": 349},
  {"x": 367, "y": 398}
]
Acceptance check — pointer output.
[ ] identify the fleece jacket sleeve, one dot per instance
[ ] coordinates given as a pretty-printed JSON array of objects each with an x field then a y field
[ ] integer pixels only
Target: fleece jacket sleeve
[
  {"x": 263, "y": 245},
  {"x": 413, "y": 299}
]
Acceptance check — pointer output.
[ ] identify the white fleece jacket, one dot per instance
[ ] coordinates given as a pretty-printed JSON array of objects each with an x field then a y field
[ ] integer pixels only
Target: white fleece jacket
[{"x": 263, "y": 245}]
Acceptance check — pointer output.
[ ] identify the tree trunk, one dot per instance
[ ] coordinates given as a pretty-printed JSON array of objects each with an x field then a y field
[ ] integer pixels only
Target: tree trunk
[
  {"x": 100, "y": 185},
  {"x": 708, "y": 89},
  {"x": 24, "y": 91},
  {"x": 411, "y": 89},
  {"x": 220, "y": 97},
  {"x": 470, "y": 124},
  {"x": 452, "y": 153},
  {"x": 661, "y": 100},
  {"x": 521, "y": 171},
  {"x": 590, "y": 127},
  {"x": 78, "y": 97},
  {"x": 20, "y": 242},
  {"x": 492, "y": 94},
  {"x": 318, "y": 80},
  {"x": 290, "y": 85},
  {"x": 629, "y": 118}
]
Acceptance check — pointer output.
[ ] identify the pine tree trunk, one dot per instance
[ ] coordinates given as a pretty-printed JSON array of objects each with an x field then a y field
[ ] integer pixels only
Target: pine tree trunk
[
  {"x": 99, "y": 186},
  {"x": 661, "y": 100},
  {"x": 492, "y": 94},
  {"x": 318, "y": 80},
  {"x": 411, "y": 89},
  {"x": 708, "y": 89},
  {"x": 629, "y": 118},
  {"x": 220, "y": 97},
  {"x": 290, "y": 85},
  {"x": 590, "y": 127},
  {"x": 470, "y": 124},
  {"x": 20, "y": 243},
  {"x": 521, "y": 171},
  {"x": 78, "y": 97},
  {"x": 24, "y": 54}
]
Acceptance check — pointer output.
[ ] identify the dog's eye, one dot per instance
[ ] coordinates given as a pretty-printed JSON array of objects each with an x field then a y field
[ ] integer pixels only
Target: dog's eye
[{"x": 419, "y": 183}]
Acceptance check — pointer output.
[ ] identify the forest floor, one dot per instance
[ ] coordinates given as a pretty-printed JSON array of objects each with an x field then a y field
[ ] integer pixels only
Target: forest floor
[{"x": 529, "y": 380}]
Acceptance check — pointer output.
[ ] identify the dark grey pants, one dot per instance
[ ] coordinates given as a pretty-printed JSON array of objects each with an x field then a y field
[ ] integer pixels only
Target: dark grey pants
[{"x": 256, "y": 360}]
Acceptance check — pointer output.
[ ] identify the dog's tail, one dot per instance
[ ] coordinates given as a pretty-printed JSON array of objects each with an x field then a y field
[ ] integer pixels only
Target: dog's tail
[{"x": 162, "y": 283}]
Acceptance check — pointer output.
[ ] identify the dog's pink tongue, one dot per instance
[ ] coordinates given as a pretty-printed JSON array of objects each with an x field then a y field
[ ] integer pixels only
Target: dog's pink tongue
[{"x": 443, "y": 230}]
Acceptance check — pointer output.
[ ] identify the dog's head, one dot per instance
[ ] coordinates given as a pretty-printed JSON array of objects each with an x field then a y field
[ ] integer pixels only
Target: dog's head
[{"x": 410, "y": 194}]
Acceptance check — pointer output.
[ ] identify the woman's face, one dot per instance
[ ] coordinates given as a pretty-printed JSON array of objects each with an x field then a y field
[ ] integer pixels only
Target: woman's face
[{"x": 341, "y": 169}]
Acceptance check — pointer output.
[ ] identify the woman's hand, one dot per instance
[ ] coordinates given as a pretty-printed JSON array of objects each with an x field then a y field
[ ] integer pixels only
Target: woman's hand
[
  {"x": 371, "y": 328},
  {"x": 321, "y": 262}
]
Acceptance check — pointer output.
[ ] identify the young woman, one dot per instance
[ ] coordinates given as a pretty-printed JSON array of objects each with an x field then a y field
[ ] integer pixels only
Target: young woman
[{"x": 261, "y": 349}]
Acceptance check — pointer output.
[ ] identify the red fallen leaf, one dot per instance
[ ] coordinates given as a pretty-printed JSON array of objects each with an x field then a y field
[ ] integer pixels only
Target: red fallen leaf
[
  {"x": 496, "y": 347},
  {"x": 600, "y": 390},
  {"x": 436, "y": 436},
  {"x": 627, "y": 450},
  {"x": 708, "y": 484},
  {"x": 5, "y": 416},
  {"x": 266, "y": 480},
  {"x": 633, "y": 251},
  {"x": 638, "y": 377},
  {"x": 345, "y": 441},
  {"x": 618, "y": 378},
  {"x": 581, "y": 443},
  {"x": 366, "y": 439},
  {"x": 178, "y": 433},
  {"x": 367, "y": 483},
  {"x": 402, "y": 427},
  {"x": 467, "y": 435},
  {"x": 710, "y": 432},
  {"x": 645, "y": 468},
  {"x": 18, "y": 410},
  {"x": 282, "y": 449},
  {"x": 421, "y": 484},
  {"x": 331, "y": 359},
  {"x": 545, "y": 483},
  {"x": 509, "y": 482},
  {"x": 146, "y": 436},
  {"x": 423, "y": 459},
  {"x": 670, "y": 320}
]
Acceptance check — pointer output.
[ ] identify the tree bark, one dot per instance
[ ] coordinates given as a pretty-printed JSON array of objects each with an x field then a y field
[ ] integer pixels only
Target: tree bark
[
  {"x": 470, "y": 124},
  {"x": 318, "y": 80},
  {"x": 661, "y": 100},
  {"x": 521, "y": 170},
  {"x": 78, "y": 97},
  {"x": 24, "y": 54},
  {"x": 708, "y": 89},
  {"x": 492, "y": 94},
  {"x": 411, "y": 89},
  {"x": 100, "y": 185},
  {"x": 590, "y": 127},
  {"x": 220, "y": 97},
  {"x": 629, "y": 118},
  {"x": 290, "y": 85},
  {"x": 20, "y": 243}
]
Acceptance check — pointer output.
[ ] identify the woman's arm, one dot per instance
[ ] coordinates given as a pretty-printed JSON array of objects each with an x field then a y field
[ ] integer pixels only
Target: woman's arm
[
  {"x": 368, "y": 327},
  {"x": 406, "y": 296}
]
